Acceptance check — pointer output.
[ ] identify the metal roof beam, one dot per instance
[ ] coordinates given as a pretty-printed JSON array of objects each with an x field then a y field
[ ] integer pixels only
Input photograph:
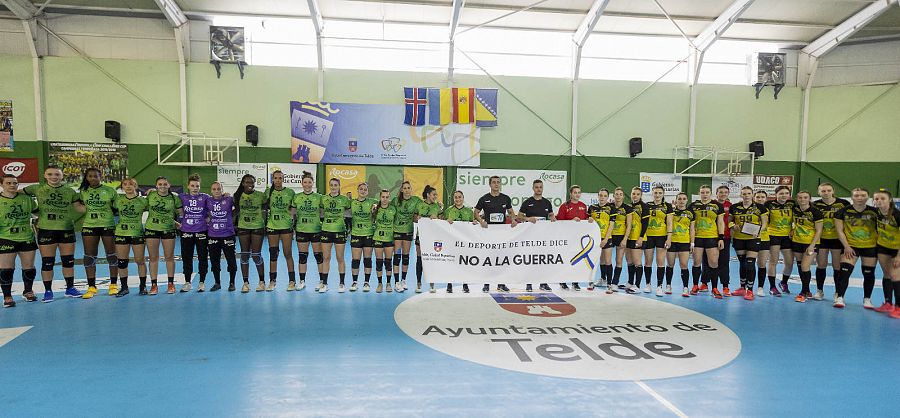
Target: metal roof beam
[
  {"x": 23, "y": 9},
  {"x": 173, "y": 12},
  {"x": 718, "y": 27},
  {"x": 825, "y": 43}
]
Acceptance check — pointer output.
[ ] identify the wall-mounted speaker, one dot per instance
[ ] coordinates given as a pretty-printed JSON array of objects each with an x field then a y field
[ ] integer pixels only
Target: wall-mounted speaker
[
  {"x": 635, "y": 147},
  {"x": 112, "y": 130},
  {"x": 252, "y": 135},
  {"x": 757, "y": 148}
]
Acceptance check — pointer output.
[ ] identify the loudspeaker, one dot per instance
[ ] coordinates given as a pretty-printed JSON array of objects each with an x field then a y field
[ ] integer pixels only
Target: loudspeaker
[
  {"x": 252, "y": 135},
  {"x": 113, "y": 130},
  {"x": 757, "y": 148},
  {"x": 634, "y": 147}
]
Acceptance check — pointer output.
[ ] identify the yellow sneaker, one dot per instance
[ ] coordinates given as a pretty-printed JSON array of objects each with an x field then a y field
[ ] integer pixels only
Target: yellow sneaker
[
  {"x": 90, "y": 293},
  {"x": 113, "y": 289}
]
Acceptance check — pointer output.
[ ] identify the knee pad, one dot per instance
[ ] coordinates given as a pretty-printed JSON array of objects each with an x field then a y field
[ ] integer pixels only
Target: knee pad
[
  {"x": 123, "y": 263},
  {"x": 47, "y": 263},
  {"x": 245, "y": 257},
  {"x": 273, "y": 253},
  {"x": 319, "y": 257},
  {"x": 257, "y": 258},
  {"x": 354, "y": 264},
  {"x": 6, "y": 277},
  {"x": 29, "y": 274},
  {"x": 405, "y": 259},
  {"x": 303, "y": 257},
  {"x": 379, "y": 264},
  {"x": 112, "y": 259},
  {"x": 89, "y": 260},
  {"x": 397, "y": 258},
  {"x": 367, "y": 262},
  {"x": 68, "y": 261}
]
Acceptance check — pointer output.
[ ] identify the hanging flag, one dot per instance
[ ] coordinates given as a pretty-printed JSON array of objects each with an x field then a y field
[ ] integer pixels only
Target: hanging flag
[
  {"x": 485, "y": 107},
  {"x": 415, "y": 106},
  {"x": 440, "y": 112},
  {"x": 464, "y": 105}
]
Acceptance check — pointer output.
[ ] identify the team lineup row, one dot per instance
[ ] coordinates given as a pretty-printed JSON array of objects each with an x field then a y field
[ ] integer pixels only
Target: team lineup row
[{"x": 760, "y": 230}]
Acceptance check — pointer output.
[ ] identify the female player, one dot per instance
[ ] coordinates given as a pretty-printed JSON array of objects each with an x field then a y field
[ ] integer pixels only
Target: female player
[
  {"x": 857, "y": 227},
  {"x": 383, "y": 215},
  {"x": 431, "y": 208},
  {"x": 621, "y": 218},
  {"x": 888, "y": 244},
  {"x": 407, "y": 205},
  {"x": 458, "y": 211},
  {"x": 130, "y": 234},
  {"x": 334, "y": 233},
  {"x": 193, "y": 233},
  {"x": 99, "y": 224},
  {"x": 709, "y": 218},
  {"x": 682, "y": 241},
  {"x": 221, "y": 235},
  {"x": 56, "y": 228},
  {"x": 251, "y": 228},
  {"x": 361, "y": 230},
  {"x": 16, "y": 210},
  {"x": 573, "y": 210},
  {"x": 750, "y": 218},
  {"x": 781, "y": 212},
  {"x": 658, "y": 237},
  {"x": 279, "y": 227},
  {"x": 804, "y": 237},
  {"x": 830, "y": 244},
  {"x": 640, "y": 216},
  {"x": 762, "y": 261},
  {"x": 164, "y": 208},
  {"x": 602, "y": 214},
  {"x": 307, "y": 208}
]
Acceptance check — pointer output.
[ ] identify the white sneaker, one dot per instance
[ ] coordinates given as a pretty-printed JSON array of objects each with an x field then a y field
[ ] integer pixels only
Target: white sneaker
[
  {"x": 432, "y": 289},
  {"x": 245, "y": 288},
  {"x": 659, "y": 291},
  {"x": 838, "y": 302},
  {"x": 341, "y": 288},
  {"x": 669, "y": 289},
  {"x": 819, "y": 295},
  {"x": 834, "y": 298},
  {"x": 760, "y": 292},
  {"x": 418, "y": 288},
  {"x": 685, "y": 293},
  {"x": 647, "y": 288},
  {"x": 319, "y": 287},
  {"x": 302, "y": 285},
  {"x": 201, "y": 287},
  {"x": 399, "y": 287},
  {"x": 186, "y": 287},
  {"x": 292, "y": 286},
  {"x": 324, "y": 288},
  {"x": 354, "y": 287},
  {"x": 366, "y": 287},
  {"x": 402, "y": 286},
  {"x": 867, "y": 303}
]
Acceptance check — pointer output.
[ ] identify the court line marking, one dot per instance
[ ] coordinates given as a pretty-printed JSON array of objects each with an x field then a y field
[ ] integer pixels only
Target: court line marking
[
  {"x": 665, "y": 402},
  {"x": 9, "y": 334}
]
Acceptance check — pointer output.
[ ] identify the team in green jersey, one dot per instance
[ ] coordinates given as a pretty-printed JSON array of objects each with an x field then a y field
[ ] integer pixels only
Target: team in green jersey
[
  {"x": 98, "y": 225},
  {"x": 250, "y": 216},
  {"x": 163, "y": 207},
  {"x": 279, "y": 228},
  {"x": 16, "y": 238}
]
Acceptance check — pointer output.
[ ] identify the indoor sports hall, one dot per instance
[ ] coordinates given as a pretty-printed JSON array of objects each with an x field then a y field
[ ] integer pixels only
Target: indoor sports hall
[{"x": 392, "y": 208}]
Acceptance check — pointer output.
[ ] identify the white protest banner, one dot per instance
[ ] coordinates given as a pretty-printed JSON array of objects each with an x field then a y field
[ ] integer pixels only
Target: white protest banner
[
  {"x": 561, "y": 251},
  {"x": 769, "y": 183},
  {"x": 734, "y": 184},
  {"x": 230, "y": 175},
  {"x": 293, "y": 174},
  {"x": 516, "y": 184},
  {"x": 668, "y": 181}
]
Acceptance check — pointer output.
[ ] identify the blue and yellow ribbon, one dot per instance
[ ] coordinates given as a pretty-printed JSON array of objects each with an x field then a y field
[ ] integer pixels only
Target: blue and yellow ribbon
[{"x": 585, "y": 252}]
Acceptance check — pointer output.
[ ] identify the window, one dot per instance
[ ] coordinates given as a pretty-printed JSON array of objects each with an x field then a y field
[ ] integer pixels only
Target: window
[
  {"x": 277, "y": 42},
  {"x": 514, "y": 52},
  {"x": 385, "y": 46},
  {"x": 730, "y": 62},
  {"x": 639, "y": 58}
]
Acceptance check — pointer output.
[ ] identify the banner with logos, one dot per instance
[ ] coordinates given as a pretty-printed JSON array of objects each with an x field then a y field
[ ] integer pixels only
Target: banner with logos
[
  {"x": 527, "y": 253},
  {"x": 768, "y": 183},
  {"x": 668, "y": 181},
  {"x": 75, "y": 157},
  {"x": 7, "y": 144},
  {"x": 352, "y": 133},
  {"x": 734, "y": 183},
  {"x": 230, "y": 175},
  {"x": 293, "y": 174},
  {"x": 389, "y": 178},
  {"x": 26, "y": 170},
  {"x": 516, "y": 184}
]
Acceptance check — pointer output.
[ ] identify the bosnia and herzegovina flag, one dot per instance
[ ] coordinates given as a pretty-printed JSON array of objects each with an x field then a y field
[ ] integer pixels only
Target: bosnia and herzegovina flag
[{"x": 462, "y": 105}]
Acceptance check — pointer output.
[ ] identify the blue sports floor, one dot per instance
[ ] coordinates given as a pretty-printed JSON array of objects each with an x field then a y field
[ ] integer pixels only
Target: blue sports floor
[{"x": 306, "y": 354}]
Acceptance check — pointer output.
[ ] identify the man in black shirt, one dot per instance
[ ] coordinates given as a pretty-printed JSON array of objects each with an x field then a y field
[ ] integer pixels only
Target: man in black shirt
[
  {"x": 497, "y": 207},
  {"x": 534, "y": 209}
]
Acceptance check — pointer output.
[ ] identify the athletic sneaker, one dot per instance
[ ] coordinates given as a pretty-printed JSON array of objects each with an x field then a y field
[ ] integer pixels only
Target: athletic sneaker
[
  {"x": 563, "y": 286},
  {"x": 201, "y": 287},
  {"x": 465, "y": 288},
  {"x": 485, "y": 289},
  {"x": 113, "y": 289},
  {"x": 896, "y": 313},
  {"x": 245, "y": 288},
  {"x": 668, "y": 289},
  {"x": 632, "y": 290},
  {"x": 271, "y": 286},
  {"x": 91, "y": 292},
  {"x": 695, "y": 290},
  {"x": 231, "y": 287},
  {"x": 186, "y": 287},
  {"x": 726, "y": 291},
  {"x": 402, "y": 285},
  {"x": 354, "y": 286},
  {"x": 341, "y": 288},
  {"x": 867, "y": 303},
  {"x": 740, "y": 292},
  {"x": 774, "y": 291},
  {"x": 528, "y": 288},
  {"x": 576, "y": 287},
  {"x": 760, "y": 292},
  {"x": 622, "y": 286},
  {"x": 388, "y": 288},
  {"x": 716, "y": 294},
  {"x": 8, "y": 302},
  {"x": 885, "y": 308},
  {"x": 545, "y": 287},
  {"x": 215, "y": 287},
  {"x": 292, "y": 286},
  {"x": 122, "y": 292},
  {"x": 704, "y": 288},
  {"x": 748, "y": 295},
  {"x": 418, "y": 288},
  {"x": 324, "y": 288},
  {"x": 432, "y": 289},
  {"x": 73, "y": 293},
  {"x": 302, "y": 285},
  {"x": 170, "y": 288},
  {"x": 502, "y": 288},
  {"x": 29, "y": 297},
  {"x": 685, "y": 293},
  {"x": 319, "y": 286},
  {"x": 834, "y": 298},
  {"x": 800, "y": 298},
  {"x": 819, "y": 295},
  {"x": 366, "y": 287},
  {"x": 261, "y": 287},
  {"x": 154, "y": 289},
  {"x": 647, "y": 288},
  {"x": 784, "y": 288},
  {"x": 143, "y": 291},
  {"x": 379, "y": 288},
  {"x": 449, "y": 288},
  {"x": 611, "y": 289},
  {"x": 838, "y": 302},
  {"x": 659, "y": 291},
  {"x": 590, "y": 287}
]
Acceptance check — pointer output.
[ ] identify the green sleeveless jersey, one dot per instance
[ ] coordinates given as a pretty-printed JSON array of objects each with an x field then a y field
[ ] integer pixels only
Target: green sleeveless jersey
[
  {"x": 163, "y": 210},
  {"x": 403, "y": 222},
  {"x": 131, "y": 215},
  {"x": 309, "y": 212},
  {"x": 361, "y": 224},
  {"x": 98, "y": 202},
  {"x": 15, "y": 217},
  {"x": 333, "y": 211},
  {"x": 428, "y": 210},
  {"x": 453, "y": 213},
  {"x": 279, "y": 208},
  {"x": 251, "y": 211},
  {"x": 54, "y": 206},
  {"x": 384, "y": 224}
]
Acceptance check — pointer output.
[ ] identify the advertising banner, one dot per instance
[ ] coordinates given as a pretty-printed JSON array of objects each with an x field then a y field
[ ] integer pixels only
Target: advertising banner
[
  {"x": 516, "y": 184},
  {"x": 75, "y": 157}
]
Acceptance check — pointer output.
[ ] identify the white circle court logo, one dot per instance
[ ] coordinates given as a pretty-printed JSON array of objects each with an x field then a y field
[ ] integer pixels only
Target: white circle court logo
[{"x": 584, "y": 336}]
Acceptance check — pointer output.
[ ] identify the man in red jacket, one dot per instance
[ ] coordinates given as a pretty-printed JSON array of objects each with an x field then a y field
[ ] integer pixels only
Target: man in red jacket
[{"x": 573, "y": 210}]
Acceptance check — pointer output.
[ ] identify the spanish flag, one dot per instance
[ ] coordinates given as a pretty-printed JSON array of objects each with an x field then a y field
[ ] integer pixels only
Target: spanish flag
[
  {"x": 464, "y": 105},
  {"x": 440, "y": 112}
]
